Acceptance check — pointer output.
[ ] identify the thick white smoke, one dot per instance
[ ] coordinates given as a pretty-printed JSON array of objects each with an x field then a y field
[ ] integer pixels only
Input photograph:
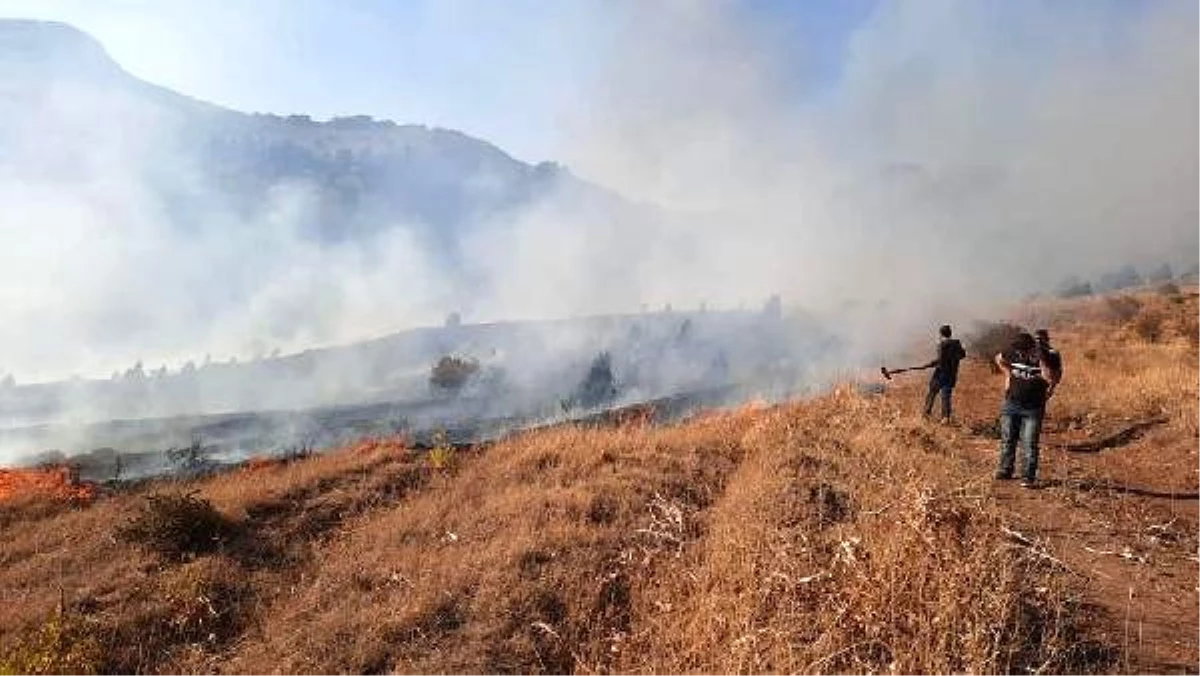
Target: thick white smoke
[{"x": 963, "y": 155}]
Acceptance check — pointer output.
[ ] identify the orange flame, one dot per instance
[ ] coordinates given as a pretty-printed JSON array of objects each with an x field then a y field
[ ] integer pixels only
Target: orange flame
[{"x": 59, "y": 482}]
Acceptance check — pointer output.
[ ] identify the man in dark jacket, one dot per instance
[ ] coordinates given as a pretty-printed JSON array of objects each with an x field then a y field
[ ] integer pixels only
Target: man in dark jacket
[
  {"x": 945, "y": 372},
  {"x": 1033, "y": 373}
]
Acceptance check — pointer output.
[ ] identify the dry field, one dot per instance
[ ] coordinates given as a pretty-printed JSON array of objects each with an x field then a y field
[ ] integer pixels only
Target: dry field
[{"x": 837, "y": 534}]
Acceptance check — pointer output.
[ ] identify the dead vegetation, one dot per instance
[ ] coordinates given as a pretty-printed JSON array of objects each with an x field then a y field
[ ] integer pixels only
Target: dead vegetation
[
  {"x": 838, "y": 534},
  {"x": 178, "y": 526}
]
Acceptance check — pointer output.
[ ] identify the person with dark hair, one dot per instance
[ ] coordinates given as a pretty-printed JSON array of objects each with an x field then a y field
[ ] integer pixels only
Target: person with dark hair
[
  {"x": 1032, "y": 375},
  {"x": 1051, "y": 358},
  {"x": 945, "y": 372}
]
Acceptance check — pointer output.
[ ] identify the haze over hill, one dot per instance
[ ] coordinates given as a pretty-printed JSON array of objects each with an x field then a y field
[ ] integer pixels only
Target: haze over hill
[
  {"x": 260, "y": 224},
  {"x": 959, "y": 155}
]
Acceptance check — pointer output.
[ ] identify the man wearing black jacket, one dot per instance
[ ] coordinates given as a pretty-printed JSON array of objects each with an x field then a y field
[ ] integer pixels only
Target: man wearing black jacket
[{"x": 945, "y": 372}]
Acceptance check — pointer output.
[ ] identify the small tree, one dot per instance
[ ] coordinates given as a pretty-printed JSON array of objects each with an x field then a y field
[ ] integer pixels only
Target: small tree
[
  {"x": 599, "y": 385},
  {"x": 451, "y": 373}
]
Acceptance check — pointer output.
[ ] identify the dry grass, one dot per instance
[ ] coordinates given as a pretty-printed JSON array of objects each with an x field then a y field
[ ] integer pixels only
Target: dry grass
[{"x": 838, "y": 534}]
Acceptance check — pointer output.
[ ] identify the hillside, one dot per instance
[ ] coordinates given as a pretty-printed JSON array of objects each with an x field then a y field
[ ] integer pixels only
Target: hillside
[
  {"x": 69, "y": 110},
  {"x": 200, "y": 230},
  {"x": 841, "y": 533}
]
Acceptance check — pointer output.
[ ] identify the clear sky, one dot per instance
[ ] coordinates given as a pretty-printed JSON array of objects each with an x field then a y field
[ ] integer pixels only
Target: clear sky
[{"x": 502, "y": 71}]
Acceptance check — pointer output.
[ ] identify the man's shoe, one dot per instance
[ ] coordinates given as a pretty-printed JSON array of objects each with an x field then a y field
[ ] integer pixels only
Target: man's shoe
[
  {"x": 1029, "y": 483},
  {"x": 1001, "y": 476}
]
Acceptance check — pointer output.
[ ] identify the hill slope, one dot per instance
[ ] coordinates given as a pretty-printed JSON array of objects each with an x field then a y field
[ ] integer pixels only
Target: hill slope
[
  {"x": 68, "y": 109},
  {"x": 837, "y": 534},
  {"x": 155, "y": 227}
]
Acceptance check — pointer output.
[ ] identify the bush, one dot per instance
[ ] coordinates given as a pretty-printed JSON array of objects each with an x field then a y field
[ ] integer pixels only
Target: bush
[
  {"x": 599, "y": 385},
  {"x": 450, "y": 373},
  {"x": 178, "y": 526},
  {"x": 441, "y": 456},
  {"x": 191, "y": 459},
  {"x": 991, "y": 338},
  {"x": 65, "y": 643}
]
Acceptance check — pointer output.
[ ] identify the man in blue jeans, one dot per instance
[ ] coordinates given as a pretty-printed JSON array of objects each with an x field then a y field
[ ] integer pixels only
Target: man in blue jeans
[
  {"x": 945, "y": 372},
  {"x": 1032, "y": 374}
]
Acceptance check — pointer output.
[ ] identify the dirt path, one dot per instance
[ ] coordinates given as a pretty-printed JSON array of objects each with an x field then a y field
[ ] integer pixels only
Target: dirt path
[{"x": 1121, "y": 514}]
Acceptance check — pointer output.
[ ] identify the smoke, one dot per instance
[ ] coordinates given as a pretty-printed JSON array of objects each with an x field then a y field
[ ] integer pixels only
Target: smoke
[
  {"x": 965, "y": 154},
  {"x": 959, "y": 156}
]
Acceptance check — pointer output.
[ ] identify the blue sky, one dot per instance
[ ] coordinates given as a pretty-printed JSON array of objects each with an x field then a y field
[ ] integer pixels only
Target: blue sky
[{"x": 503, "y": 71}]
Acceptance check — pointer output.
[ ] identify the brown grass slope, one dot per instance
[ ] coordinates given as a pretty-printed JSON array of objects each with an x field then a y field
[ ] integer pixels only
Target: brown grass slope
[{"x": 838, "y": 534}]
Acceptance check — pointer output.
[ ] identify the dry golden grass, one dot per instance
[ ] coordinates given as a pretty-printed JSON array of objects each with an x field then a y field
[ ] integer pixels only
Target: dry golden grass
[{"x": 837, "y": 534}]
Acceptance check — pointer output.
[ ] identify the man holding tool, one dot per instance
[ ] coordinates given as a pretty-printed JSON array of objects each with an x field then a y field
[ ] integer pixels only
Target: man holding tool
[{"x": 945, "y": 372}]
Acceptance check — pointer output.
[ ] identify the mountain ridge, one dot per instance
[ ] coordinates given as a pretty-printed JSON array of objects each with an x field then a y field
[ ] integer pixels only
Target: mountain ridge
[{"x": 365, "y": 170}]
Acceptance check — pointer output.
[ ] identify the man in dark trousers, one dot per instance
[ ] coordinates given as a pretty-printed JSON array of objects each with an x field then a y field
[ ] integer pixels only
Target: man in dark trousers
[
  {"x": 1033, "y": 372},
  {"x": 945, "y": 372}
]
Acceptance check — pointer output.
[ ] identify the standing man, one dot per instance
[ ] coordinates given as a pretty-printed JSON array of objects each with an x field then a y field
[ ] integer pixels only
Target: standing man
[
  {"x": 945, "y": 372},
  {"x": 1032, "y": 376}
]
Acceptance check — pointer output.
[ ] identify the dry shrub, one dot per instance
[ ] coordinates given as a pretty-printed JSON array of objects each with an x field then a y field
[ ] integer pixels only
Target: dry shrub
[
  {"x": 451, "y": 373},
  {"x": 66, "y": 643},
  {"x": 1122, "y": 308},
  {"x": 178, "y": 526},
  {"x": 988, "y": 339},
  {"x": 1149, "y": 325}
]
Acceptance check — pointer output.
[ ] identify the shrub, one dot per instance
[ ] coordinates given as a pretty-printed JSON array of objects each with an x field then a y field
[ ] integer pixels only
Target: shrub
[
  {"x": 178, "y": 526},
  {"x": 599, "y": 385},
  {"x": 450, "y": 373},
  {"x": 65, "y": 643},
  {"x": 990, "y": 338},
  {"x": 441, "y": 456},
  {"x": 191, "y": 459}
]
